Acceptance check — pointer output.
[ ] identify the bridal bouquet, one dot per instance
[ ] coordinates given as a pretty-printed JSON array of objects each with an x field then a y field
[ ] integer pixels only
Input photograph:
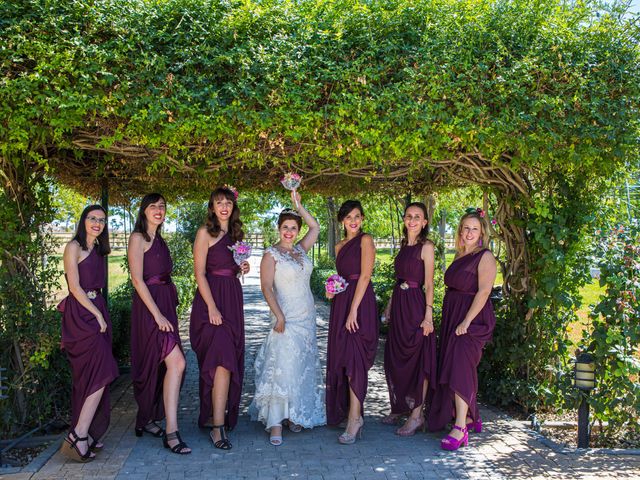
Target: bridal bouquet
[
  {"x": 291, "y": 181},
  {"x": 241, "y": 252},
  {"x": 335, "y": 284}
]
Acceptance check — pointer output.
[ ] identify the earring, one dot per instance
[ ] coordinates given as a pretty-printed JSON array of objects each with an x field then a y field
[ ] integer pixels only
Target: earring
[{"x": 480, "y": 243}]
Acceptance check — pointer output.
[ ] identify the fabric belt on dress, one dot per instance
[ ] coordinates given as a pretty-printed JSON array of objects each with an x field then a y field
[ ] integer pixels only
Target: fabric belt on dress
[
  {"x": 406, "y": 284},
  {"x": 223, "y": 272},
  {"x": 91, "y": 293},
  {"x": 355, "y": 276},
  {"x": 462, "y": 292},
  {"x": 164, "y": 279}
]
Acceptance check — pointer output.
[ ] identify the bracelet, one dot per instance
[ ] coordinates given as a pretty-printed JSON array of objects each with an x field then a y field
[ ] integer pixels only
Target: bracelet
[{"x": 430, "y": 306}]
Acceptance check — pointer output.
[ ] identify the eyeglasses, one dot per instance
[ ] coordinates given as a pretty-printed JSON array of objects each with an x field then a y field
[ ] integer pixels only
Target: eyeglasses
[{"x": 99, "y": 221}]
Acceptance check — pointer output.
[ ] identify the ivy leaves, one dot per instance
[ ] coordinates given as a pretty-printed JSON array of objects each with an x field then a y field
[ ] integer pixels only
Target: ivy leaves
[{"x": 333, "y": 85}]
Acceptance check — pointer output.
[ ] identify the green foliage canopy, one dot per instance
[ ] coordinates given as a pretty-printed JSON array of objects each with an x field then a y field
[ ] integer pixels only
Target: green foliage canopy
[{"x": 355, "y": 89}]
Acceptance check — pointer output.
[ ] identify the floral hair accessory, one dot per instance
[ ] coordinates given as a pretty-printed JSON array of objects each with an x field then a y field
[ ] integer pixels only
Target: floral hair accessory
[
  {"x": 232, "y": 189},
  {"x": 477, "y": 211}
]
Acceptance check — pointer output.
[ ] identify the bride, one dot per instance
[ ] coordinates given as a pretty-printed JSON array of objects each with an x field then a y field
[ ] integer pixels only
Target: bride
[{"x": 287, "y": 367}]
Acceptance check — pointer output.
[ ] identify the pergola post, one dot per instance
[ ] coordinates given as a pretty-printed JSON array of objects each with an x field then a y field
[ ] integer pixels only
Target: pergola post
[
  {"x": 105, "y": 204},
  {"x": 332, "y": 237},
  {"x": 442, "y": 230}
]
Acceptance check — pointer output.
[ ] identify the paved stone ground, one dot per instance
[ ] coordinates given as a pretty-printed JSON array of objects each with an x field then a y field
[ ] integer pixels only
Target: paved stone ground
[{"x": 503, "y": 450}]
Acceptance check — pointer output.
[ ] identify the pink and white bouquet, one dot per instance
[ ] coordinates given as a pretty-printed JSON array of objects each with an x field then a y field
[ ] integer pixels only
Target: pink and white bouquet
[
  {"x": 241, "y": 252},
  {"x": 335, "y": 284},
  {"x": 291, "y": 181}
]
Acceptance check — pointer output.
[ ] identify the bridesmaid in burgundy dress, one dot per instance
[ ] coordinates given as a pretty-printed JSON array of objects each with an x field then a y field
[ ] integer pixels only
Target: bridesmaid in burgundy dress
[
  {"x": 86, "y": 335},
  {"x": 157, "y": 361},
  {"x": 353, "y": 326},
  {"x": 410, "y": 351},
  {"x": 217, "y": 318},
  {"x": 467, "y": 325}
]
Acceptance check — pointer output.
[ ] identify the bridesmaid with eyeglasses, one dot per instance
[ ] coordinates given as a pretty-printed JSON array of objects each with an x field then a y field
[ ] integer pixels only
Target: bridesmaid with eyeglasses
[
  {"x": 157, "y": 360},
  {"x": 86, "y": 335}
]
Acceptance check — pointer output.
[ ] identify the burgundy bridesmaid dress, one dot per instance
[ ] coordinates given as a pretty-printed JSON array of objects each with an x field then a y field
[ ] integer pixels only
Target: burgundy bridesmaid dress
[
  {"x": 149, "y": 345},
  {"x": 409, "y": 356},
  {"x": 89, "y": 351},
  {"x": 219, "y": 345},
  {"x": 460, "y": 355},
  {"x": 349, "y": 355}
]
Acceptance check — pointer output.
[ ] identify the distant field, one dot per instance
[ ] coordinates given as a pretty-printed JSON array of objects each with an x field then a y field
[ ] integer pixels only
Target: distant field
[
  {"x": 117, "y": 273},
  {"x": 590, "y": 294},
  {"x": 384, "y": 255}
]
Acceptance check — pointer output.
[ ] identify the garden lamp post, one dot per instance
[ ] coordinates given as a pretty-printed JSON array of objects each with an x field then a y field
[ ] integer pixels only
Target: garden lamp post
[{"x": 585, "y": 380}]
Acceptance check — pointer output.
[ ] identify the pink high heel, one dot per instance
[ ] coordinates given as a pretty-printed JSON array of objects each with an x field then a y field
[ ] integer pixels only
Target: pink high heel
[
  {"x": 475, "y": 426},
  {"x": 451, "y": 443}
]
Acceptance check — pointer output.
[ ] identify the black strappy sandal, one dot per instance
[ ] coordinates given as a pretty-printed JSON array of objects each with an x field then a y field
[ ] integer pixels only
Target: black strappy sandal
[
  {"x": 96, "y": 446},
  {"x": 180, "y": 448},
  {"x": 70, "y": 448},
  {"x": 156, "y": 433},
  {"x": 223, "y": 443}
]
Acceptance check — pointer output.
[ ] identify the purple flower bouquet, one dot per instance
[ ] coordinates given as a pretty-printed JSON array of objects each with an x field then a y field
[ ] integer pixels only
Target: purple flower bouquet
[
  {"x": 335, "y": 284},
  {"x": 241, "y": 252}
]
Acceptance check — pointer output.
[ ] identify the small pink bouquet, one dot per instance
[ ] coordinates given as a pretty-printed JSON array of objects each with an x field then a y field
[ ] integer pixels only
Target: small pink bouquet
[
  {"x": 241, "y": 252},
  {"x": 291, "y": 181},
  {"x": 335, "y": 284}
]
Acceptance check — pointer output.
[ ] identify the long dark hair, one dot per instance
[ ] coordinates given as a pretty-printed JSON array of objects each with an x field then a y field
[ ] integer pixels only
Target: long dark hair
[
  {"x": 235, "y": 224},
  {"x": 141, "y": 221},
  {"x": 81, "y": 232},
  {"x": 422, "y": 236},
  {"x": 346, "y": 208}
]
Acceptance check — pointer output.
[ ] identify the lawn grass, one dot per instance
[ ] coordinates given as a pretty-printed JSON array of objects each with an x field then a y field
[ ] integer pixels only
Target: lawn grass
[
  {"x": 117, "y": 273},
  {"x": 384, "y": 255},
  {"x": 590, "y": 294}
]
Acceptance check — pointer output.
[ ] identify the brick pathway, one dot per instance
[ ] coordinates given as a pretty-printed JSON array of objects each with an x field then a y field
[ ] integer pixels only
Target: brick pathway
[{"x": 503, "y": 450}]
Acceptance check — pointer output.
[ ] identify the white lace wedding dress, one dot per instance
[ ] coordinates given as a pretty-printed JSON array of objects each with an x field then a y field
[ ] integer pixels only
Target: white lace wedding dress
[{"x": 288, "y": 377}]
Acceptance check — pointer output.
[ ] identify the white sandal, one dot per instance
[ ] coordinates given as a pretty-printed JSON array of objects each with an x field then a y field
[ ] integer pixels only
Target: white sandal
[{"x": 275, "y": 440}]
